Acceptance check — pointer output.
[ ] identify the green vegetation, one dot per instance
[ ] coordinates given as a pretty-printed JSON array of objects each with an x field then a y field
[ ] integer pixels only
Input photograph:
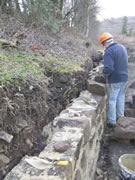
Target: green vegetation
[
  {"x": 15, "y": 66},
  {"x": 62, "y": 65},
  {"x": 18, "y": 66},
  {"x": 54, "y": 14}
]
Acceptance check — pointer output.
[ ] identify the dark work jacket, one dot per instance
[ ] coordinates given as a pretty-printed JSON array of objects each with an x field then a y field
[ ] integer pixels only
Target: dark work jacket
[{"x": 116, "y": 63}]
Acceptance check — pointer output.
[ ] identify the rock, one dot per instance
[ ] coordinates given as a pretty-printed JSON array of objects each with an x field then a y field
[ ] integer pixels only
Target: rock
[
  {"x": 12, "y": 43},
  {"x": 5, "y": 136},
  {"x": 132, "y": 85},
  {"x": 78, "y": 175},
  {"x": 129, "y": 112},
  {"x": 61, "y": 146},
  {"x": 64, "y": 79},
  {"x": 125, "y": 129},
  {"x": 21, "y": 124},
  {"x": 132, "y": 57},
  {"x": 96, "y": 88},
  {"x": 96, "y": 56},
  {"x": 29, "y": 143},
  {"x": 99, "y": 172},
  {"x": 4, "y": 160},
  {"x": 100, "y": 79}
]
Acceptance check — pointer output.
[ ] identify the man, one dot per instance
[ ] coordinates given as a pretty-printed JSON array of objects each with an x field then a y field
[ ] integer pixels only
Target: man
[{"x": 116, "y": 72}]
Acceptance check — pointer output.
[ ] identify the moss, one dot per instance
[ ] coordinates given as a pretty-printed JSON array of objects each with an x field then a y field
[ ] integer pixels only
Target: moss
[
  {"x": 62, "y": 64},
  {"x": 14, "y": 65}
]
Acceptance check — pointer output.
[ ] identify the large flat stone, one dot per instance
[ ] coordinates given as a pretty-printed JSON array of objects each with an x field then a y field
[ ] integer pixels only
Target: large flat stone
[
  {"x": 96, "y": 88},
  {"x": 125, "y": 128}
]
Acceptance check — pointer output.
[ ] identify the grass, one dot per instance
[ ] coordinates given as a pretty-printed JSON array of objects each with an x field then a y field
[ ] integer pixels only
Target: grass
[
  {"x": 14, "y": 65},
  {"x": 63, "y": 64}
]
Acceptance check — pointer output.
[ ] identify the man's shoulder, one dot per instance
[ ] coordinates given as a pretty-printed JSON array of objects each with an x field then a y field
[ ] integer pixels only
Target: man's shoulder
[{"x": 116, "y": 46}]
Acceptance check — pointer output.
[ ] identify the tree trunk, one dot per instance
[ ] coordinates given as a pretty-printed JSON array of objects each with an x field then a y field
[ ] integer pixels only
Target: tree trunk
[
  {"x": 3, "y": 4},
  {"x": 17, "y": 6},
  {"x": 88, "y": 21}
]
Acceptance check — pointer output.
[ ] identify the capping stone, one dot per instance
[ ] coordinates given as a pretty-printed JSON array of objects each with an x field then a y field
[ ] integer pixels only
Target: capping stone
[{"x": 96, "y": 88}]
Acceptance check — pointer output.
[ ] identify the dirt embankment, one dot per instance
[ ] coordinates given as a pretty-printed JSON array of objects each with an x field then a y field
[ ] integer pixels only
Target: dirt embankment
[
  {"x": 26, "y": 109},
  {"x": 29, "y": 101}
]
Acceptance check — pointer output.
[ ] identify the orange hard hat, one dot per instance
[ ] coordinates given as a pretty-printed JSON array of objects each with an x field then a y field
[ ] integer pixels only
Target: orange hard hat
[{"x": 104, "y": 37}]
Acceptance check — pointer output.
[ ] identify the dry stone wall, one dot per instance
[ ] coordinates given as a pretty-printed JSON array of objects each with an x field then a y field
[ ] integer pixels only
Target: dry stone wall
[{"x": 76, "y": 133}]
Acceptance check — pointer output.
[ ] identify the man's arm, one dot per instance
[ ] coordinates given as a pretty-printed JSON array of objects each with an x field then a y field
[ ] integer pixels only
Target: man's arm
[{"x": 108, "y": 65}]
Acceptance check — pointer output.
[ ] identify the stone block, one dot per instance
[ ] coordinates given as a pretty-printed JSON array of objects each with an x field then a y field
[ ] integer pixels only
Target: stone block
[
  {"x": 125, "y": 128},
  {"x": 100, "y": 79},
  {"x": 129, "y": 112},
  {"x": 78, "y": 175},
  {"x": 96, "y": 88},
  {"x": 62, "y": 146},
  {"x": 5, "y": 136},
  {"x": 101, "y": 104},
  {"x": 3, "y": 160},
  {"x": 84, "y": 161}
]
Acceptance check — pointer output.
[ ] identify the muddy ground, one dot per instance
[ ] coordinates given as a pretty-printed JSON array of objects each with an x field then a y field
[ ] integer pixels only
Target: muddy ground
[{"x": 111, "y": 151}]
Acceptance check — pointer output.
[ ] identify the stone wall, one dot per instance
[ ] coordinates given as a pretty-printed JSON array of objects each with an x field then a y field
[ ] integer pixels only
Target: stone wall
[{"x": 76, "y": 133}]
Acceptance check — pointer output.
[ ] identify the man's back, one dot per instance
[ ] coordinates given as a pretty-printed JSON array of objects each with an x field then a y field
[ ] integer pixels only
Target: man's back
[{"x": 116, "y": 63}]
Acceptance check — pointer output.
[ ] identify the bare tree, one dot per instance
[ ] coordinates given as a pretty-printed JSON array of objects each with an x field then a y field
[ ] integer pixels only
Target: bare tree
[{"x": 3, "y": 5}]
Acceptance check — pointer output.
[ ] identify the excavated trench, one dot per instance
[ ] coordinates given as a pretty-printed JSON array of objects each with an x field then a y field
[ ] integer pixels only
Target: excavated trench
[{"x": 27, "y": 107}]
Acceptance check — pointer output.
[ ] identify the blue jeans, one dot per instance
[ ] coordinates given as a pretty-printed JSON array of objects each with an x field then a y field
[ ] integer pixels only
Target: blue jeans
[{"x": 116, "y": 101}]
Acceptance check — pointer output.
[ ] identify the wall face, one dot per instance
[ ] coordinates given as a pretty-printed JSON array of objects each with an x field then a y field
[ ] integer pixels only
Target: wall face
[
  {"x": 76, "y": 133},
  {"x": 90, "y": 144}
]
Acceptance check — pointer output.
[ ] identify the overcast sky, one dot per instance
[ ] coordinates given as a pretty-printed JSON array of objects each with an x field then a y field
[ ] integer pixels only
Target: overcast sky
[{"x": 116, "y": 8}]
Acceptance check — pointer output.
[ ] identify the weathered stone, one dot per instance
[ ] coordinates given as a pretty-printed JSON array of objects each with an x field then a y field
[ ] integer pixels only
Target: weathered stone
[
  {"x": 100, "y": 130},
  {"x": 132, "y": 85},
  {"x": 84, "y": 161},
  {"x": 62, "y": 146},
  {"x": 21, "y": 124},
  {"x": 29, "y": 143},
  {"x": 96, "y": 88},
  {"x": 71, "y": 123},
  {"x": 91, "y": 143},
  {"x": 99, "y": 172},
  {"x": 101, "y": 105},
  {"x": 77, "y": 175},
  {"x": 132, "y": 57},
  {"x": 64, "y": 79},
  {"x": 129, "y": 112},
  {"x": 125, "y": 128},
  {"x": 5, "y": 136},
  {"x": 78, "y": 149},
  {"x": 87, "y": 133},
  {"x": 3, "y": 160},
  {"x": 100, "y": 79}
]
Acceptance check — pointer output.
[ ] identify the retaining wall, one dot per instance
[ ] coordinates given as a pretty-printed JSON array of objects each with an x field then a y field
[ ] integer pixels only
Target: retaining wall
[{"x": 75, "y": 133}]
